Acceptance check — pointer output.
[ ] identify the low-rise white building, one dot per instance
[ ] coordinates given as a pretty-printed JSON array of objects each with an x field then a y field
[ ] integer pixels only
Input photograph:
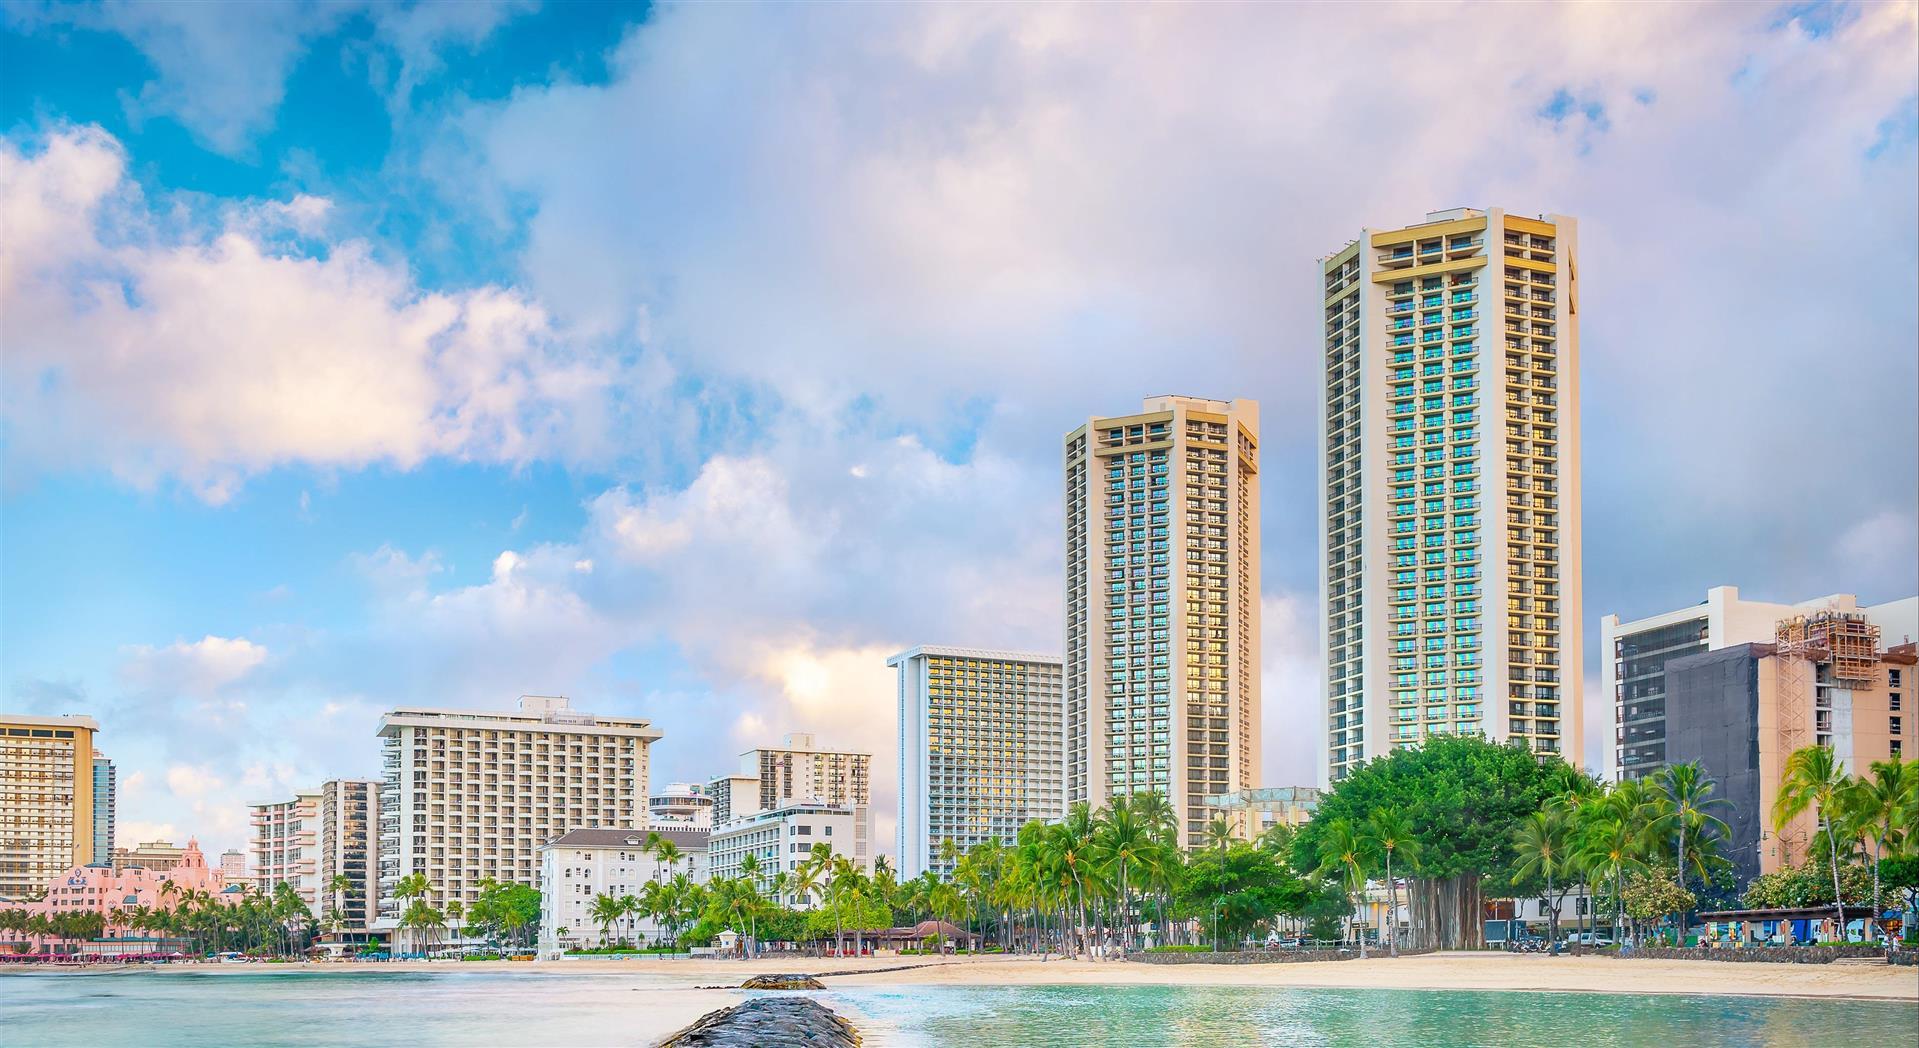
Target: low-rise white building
[
  {"x": 581, "y": 865},
  {"x": 783, "y": 838}
]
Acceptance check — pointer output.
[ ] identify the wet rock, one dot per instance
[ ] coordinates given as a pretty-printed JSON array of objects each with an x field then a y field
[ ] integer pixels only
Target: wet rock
[
  {"x": 782, "y": 982},
  {"x": 768, "y": 1022}
]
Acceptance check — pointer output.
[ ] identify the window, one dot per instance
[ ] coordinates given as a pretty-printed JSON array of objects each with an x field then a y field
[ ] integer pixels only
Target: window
[
  {"x": 1892, "y": 701},
  {"x": 1893, "y": 725}
]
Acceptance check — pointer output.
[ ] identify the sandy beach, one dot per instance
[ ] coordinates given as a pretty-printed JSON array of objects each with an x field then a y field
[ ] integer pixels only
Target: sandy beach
[{"x": 1445, "y": 971}]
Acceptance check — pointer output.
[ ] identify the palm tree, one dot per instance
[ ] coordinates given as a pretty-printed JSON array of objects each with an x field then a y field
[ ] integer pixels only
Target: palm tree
[
  {"x": 750, "y": 872},
  {"x": 604, "y": 911},
  {"x": 1686, "y": 813},
  {"x": 1218, "y": 833},
  {"x": 410, "y": 888},
  {"x": 804, "y": 881},
  {"x": 1123, "y": 840},
  {"x": 1882, "y": 802},
  {"x": 1813, "y": 778},
  {"x": 667, "y": 854},
  {"x": 1611, "y": 846},
  {"x": 1343, "y": 859},
  {"x": 945, "y": 901},
  {"x": 1391, "y": 832},
  {"x": 1543, "y": 852},
  {"x": 1277, "y": 839}
]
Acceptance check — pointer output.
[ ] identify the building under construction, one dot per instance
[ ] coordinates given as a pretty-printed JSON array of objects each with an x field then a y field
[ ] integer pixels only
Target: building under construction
[{"x": 1741, "y": 712}]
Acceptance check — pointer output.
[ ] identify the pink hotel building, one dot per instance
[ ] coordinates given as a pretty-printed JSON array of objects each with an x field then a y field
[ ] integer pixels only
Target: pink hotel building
[{"x": 103, "y": 889}]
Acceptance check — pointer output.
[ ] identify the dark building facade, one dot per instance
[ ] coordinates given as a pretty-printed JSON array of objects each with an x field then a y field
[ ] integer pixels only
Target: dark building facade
[{"x": 1712, "y": 717}]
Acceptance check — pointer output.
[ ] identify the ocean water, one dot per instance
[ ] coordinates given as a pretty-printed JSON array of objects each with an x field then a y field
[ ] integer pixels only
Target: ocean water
[{"x": 295, "y": 1008}]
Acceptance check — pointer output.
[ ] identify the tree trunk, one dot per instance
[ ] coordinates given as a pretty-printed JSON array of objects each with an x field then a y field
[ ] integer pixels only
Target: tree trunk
[
  {"x": 1445, "y": 913},
  {"x": 1684, "y": 912},
  {"x": 1552, "y": 909},
  {"x": 1392, "y": 908},
  {"x": 1838, "y": 903}
]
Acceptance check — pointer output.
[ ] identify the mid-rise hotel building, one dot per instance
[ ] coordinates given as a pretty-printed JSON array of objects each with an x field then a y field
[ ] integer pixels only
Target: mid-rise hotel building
[
  {"x": 581, "y": 865},
  {"x": 1449, "y": 469},
  {"x": 1161, "y": 673},
  {"x": 981, "y": 749},
  {"x": 286, "y": 846},
  {"x": 472, "y": 794},
  {"x": 46, "y": 800},
  {"x": 799, "y": 771},
  {"x": 782, "y": 839}
]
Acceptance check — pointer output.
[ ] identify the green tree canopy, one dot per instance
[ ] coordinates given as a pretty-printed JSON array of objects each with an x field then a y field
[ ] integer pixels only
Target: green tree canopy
[
  {"x": 1463, "y": 795},
  {"x": 1247, "y": 886}
]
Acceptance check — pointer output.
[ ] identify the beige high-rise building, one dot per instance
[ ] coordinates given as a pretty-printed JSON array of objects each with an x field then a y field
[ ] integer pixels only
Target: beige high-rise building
[
  {"x": 981, "y": 750},
  {"x": 799, "y": 771},
  {"x": 472, "y": 794},
  {"x": 1449, "y": 469},
  {"x": 1162, "y": 605},
  {"x": 46, "y": 800}
]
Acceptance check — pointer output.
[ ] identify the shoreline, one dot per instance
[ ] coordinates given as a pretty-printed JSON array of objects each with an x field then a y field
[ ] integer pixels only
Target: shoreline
[{"x": 1491, "y": 972}]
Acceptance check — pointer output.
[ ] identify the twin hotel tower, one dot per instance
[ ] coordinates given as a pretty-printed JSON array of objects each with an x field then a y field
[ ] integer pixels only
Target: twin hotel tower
[
  {"x": 1449, "y": 469},
  {"x": 1450, "y": 581}
]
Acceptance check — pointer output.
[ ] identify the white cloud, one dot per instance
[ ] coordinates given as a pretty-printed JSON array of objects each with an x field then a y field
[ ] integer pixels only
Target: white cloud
[
  {"x": 157, "y": 347},
  {"x": 1294, "y": 733},
  {"x": 197, "y": 668}
]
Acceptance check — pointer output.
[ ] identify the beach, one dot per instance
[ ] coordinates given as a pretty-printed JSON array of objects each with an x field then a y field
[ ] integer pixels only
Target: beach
[{"x": 1440, "y": 971}]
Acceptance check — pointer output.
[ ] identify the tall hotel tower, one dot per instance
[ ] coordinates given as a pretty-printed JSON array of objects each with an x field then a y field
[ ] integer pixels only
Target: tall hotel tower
[
  {"x": 1162, "y": 605},
  {"x": 1449, "y": 455},
  {"x": 980, "y": 738}
]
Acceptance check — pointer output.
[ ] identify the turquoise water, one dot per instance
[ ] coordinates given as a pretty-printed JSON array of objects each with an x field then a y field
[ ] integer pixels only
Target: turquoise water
[{"x": 293, "y": 1008}]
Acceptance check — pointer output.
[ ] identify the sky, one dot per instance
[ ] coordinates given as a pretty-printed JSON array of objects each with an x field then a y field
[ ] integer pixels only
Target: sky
[{"x": 690, "y": 360}]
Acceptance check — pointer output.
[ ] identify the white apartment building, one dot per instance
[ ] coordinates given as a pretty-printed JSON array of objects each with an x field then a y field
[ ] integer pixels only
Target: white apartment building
[
  {"x": 783, "y": 838},
  {"x": 795, "y": 772},
  {"x": 472, "y": 794},
  {"x": 233, "y": 865},
  {"x": 581, "y": 865},
  {"x": 1162, "y": 605},
  {"x": 1449, "y": 473},
  {"x": 349, "y": 847},
  {"x": 981, "y": 749},
  {"x": 286, "y": 846},
  {"x": 1633, "y": 675}
]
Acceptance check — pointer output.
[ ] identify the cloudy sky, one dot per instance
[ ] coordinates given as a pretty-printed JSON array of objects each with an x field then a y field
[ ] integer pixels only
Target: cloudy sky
[{"x": 689, "y": 362}]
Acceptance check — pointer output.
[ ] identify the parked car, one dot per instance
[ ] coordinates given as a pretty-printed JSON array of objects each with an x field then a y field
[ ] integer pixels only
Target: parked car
[{"x": 1602, "y": 937}]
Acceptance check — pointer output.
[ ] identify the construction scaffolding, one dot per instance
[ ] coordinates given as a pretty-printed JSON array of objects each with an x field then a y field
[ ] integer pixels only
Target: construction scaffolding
[{"x": 1843, "y": 640}]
